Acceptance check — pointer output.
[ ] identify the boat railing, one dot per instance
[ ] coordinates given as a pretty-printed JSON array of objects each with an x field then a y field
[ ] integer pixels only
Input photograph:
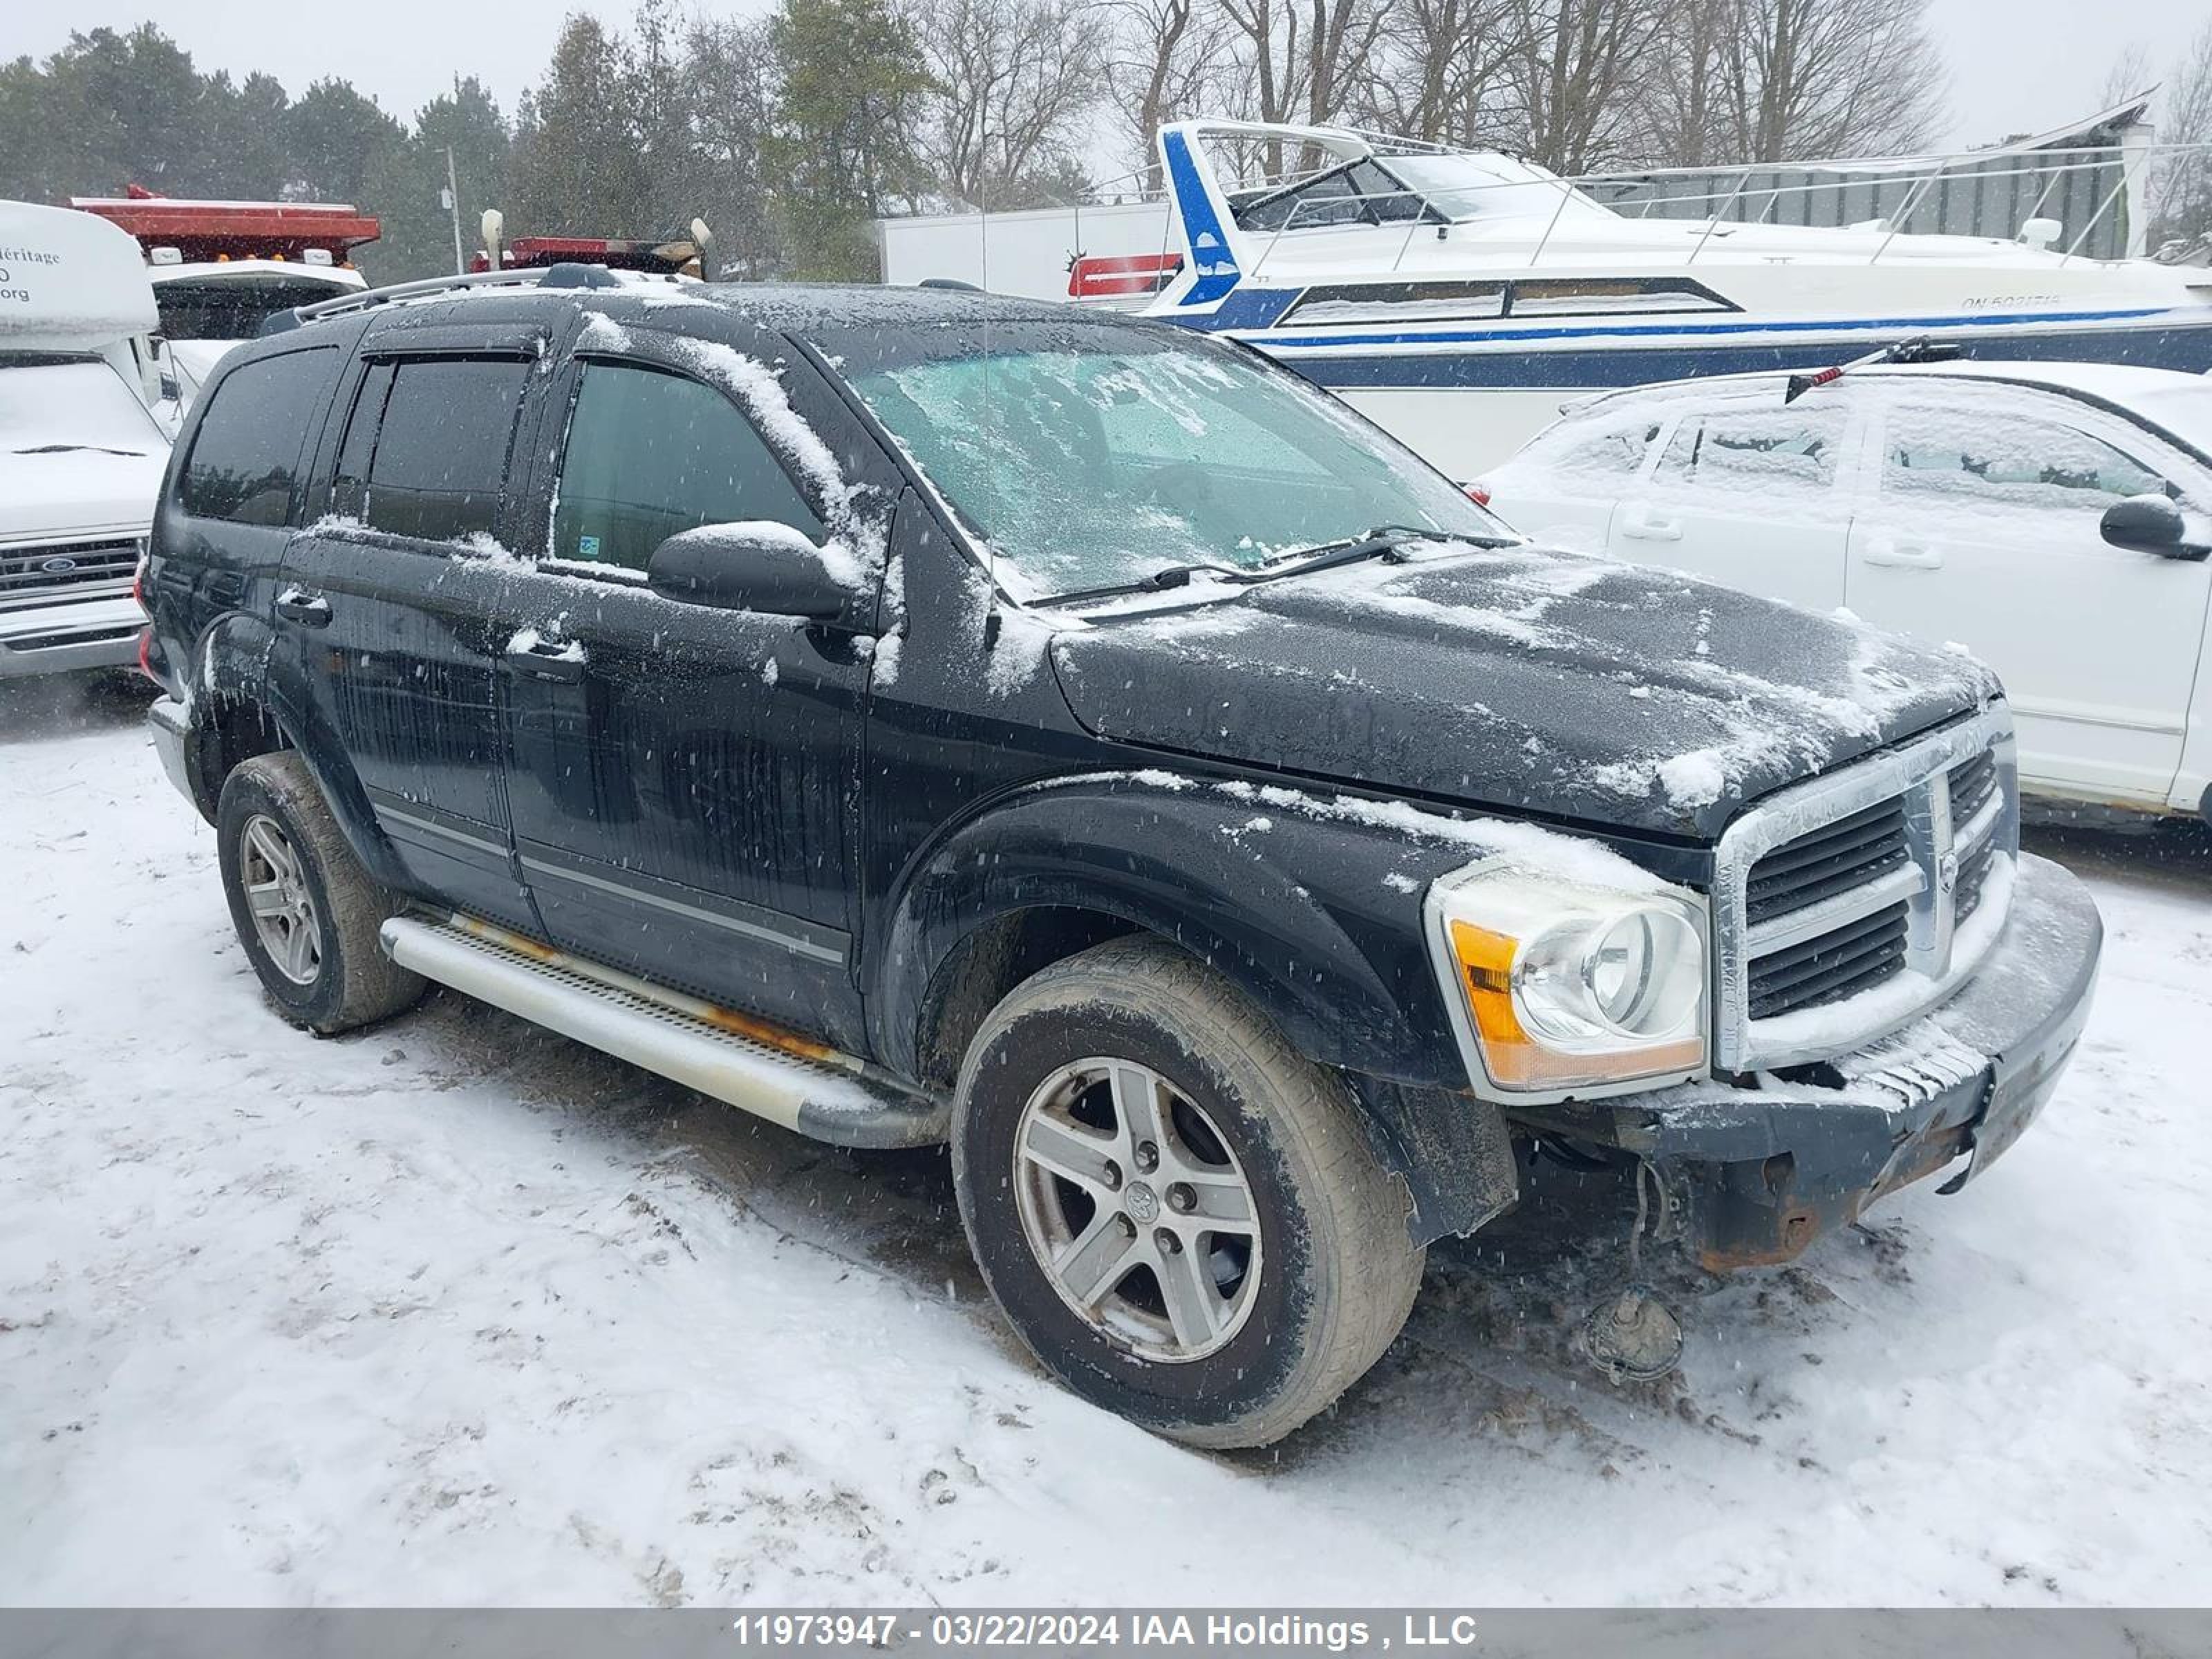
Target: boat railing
[{"x": 1718, "y": 199}]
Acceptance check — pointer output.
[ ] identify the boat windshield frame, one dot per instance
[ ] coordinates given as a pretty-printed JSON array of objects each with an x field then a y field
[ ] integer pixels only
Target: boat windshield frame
[{"x": 1342, "y": 186}]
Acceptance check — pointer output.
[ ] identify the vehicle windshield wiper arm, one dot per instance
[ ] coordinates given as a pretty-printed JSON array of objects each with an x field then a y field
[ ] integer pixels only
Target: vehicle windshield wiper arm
[
  {"x": 63, "y": 449},
  {"x": 1383, "y": 542},
  {"x": 1174, "y": 575}
]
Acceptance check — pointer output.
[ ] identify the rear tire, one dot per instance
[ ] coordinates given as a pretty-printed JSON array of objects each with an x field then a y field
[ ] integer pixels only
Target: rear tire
[
  {"x": 1179, "y": 1214},
  {"x": 306, "y": 911}
]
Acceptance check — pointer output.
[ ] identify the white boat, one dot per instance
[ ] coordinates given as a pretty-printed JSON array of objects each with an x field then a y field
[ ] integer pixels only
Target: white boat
[{"x": 1461, "y": 297}]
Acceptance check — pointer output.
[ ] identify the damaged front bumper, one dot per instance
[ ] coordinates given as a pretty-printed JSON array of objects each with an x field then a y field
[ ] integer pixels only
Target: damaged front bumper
[{"x": 1754, "y": 1173}]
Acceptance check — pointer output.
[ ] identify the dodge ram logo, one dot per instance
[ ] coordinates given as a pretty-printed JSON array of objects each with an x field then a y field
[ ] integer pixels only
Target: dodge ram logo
[{"x": 58, "y": 566}]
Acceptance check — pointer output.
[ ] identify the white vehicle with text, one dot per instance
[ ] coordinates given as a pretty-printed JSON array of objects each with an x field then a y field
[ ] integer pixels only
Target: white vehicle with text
[
  {"x": 82, "y": 451},
  {"x": 2054, "y": 519}
]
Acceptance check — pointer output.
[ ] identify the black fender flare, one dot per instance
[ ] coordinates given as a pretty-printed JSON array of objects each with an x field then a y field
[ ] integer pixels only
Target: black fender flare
[
  {"x": 241, "y": 659},
  {"x": 1296, "y": 912}
]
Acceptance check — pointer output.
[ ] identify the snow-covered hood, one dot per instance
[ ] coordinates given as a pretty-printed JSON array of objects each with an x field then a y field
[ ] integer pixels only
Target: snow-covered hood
[
  {"x": 1522, "y": 679},
  {"x": 52, "y": 493}
]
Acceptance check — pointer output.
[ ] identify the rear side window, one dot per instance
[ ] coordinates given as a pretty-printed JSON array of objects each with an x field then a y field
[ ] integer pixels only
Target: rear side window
[
  {"x": 1755, "y": 451},
  {"x": 432, "y": 465},
  {"x": 651, "y": 455},
  {"x": 245, "y": 464},
  {"x": 1609, "y": 450}
]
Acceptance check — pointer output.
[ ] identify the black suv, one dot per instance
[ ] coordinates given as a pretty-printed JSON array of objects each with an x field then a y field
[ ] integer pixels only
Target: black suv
[{"x": 916, "y": 716}]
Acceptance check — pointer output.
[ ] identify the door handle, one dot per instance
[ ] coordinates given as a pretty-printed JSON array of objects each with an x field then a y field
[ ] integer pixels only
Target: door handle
[
  {"x": 561, "y": 661},
  {"x": 1640, "y": 524},
  {"x": 1901, "y": 555},
  {"x": 309, "y": 610}
]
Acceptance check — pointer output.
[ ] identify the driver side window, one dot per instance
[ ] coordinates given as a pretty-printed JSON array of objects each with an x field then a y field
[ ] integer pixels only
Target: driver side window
[{"x": 651, "y": 454}]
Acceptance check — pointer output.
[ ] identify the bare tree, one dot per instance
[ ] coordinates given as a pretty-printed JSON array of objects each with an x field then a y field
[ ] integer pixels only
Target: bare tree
[
  {"x": 1302, "y": 60},
  {"x": 1575, "y": 74},
  {"x": 1687, "y": 91},
  {"x": 2130, "y": 73},
  {"x": 2183, "y": 193},
  {"x": 1790, "y": 80},
  {"x": 1833, "y": 78},
  {"x": 1435, "y": 71},
  {"x": 1164, "y": 63},
  {"x": 1014, "y": 83}
]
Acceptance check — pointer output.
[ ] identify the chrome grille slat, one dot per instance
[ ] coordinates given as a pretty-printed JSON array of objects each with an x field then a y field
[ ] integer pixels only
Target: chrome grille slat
[
  {"x": 1829, "y": 968},
  {"x": 22, "y": 568},
  {"x": 1831, "y": 860},
  {"x": 1848, "y": 881},
  {"x": 1886, "y": 888}
]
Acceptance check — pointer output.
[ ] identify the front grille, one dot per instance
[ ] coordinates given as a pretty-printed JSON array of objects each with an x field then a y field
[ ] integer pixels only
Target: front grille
[
  {"x": 1973, "y": 782},
  {"x": 1847, "y": 854},
  {"x": 26, "y": 570},
  {"x": 1974, "y": 875},
  {"x": 1847, "y": 882},
  {"x": 1831, "y": 966}
]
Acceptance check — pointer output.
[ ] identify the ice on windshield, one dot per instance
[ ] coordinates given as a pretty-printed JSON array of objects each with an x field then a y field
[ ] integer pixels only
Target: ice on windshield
[{"x": 1094, "y": 468}]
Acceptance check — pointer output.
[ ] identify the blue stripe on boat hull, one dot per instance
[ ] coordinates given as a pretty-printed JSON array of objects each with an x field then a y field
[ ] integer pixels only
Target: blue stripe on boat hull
[{"x": 2188, "y": 349}]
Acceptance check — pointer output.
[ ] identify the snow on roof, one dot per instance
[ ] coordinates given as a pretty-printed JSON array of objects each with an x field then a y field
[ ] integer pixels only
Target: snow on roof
[
  {"x": 2118, "y": 383},
  {"x": 74, "y": 282}
]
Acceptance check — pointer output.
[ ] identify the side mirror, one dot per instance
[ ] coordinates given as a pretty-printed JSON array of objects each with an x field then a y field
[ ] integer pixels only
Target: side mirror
[
  {"x": 2150, "y": 524},
  {"x": 755, "y": 566}
]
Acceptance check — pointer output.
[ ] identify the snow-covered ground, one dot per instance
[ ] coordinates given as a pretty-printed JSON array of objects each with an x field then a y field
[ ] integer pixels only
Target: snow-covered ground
[{"x": 457, "y": 1311}]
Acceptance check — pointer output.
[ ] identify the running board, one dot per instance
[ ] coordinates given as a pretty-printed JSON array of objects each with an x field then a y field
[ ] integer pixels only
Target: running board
[{"x": 733, "y": 1057}]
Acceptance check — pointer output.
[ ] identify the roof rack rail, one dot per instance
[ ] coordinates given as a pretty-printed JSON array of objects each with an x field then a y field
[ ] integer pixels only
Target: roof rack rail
[{"x": 560, "y": 275}]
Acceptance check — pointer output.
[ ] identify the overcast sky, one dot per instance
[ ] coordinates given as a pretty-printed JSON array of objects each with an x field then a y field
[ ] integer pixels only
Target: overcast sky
[{"x": 2016, "y": 66}]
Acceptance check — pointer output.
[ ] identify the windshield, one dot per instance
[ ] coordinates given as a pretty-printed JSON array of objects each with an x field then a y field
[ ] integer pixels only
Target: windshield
[
  {"x": 72, "y": 404},
  {"x": 1474, "y": 186},
  {"x": 233, "y": 307},
  {"x": 1093, "y": 456}
]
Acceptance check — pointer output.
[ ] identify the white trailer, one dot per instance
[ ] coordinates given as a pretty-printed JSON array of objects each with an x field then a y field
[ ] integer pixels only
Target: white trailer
[{"x": 1127, "y": 250}]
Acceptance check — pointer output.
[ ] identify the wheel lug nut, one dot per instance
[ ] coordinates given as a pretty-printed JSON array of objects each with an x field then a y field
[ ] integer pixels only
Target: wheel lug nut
[
  {"x": 1148, "y": 1156},
  {"x": 1128, "y": 1228},
  {"x": 1113, "y": 1177},
  {"x": 1168, "y": 1243},
  {"x": 1181, "y": 1199}
]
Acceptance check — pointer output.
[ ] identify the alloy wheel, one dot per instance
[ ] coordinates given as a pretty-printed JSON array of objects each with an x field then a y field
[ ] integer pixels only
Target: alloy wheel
[
  {"x": 1136, "y": 1209},
  {"x": 278, "y": 897}
]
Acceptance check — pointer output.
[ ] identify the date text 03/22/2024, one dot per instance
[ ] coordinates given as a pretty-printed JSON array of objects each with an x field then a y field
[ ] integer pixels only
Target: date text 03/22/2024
[{"x": 1276, "y": 1632}]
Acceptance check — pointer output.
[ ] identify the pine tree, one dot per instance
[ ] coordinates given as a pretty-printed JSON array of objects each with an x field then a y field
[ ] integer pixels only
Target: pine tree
[
  {"x": 337, "y": 138},
  {"x": 579, "y": 167},
  {"x": 419, "y": 232},
  {"x": 845, "y": 144}
]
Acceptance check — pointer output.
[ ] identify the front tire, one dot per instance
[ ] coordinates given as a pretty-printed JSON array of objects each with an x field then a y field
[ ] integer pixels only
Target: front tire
[
  {"x": 306, "y": 911},
  {"x": 1177, "y": 1211}
]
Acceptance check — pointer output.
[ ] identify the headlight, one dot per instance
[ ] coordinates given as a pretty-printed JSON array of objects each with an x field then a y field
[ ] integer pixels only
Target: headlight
[{"x": 1556, "y": 986}]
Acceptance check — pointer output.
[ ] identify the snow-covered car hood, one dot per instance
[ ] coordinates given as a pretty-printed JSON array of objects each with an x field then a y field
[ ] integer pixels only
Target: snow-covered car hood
[
  {"x": 1519, "y": 678},
  {"x": 53, "y": 493}
]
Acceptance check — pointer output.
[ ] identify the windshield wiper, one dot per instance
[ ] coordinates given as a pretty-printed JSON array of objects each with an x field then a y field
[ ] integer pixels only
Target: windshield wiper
[
  {"x": 63, "y": 449},
  {"x": 1174, "y": 575},
  {"x": 1386, "y": 541}
]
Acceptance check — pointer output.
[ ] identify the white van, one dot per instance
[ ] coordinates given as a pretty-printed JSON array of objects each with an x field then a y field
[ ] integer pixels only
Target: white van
[{"x": 82, "y": 451}]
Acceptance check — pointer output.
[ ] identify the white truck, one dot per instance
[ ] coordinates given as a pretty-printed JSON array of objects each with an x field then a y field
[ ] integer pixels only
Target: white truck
[
  {"x": 81, "y": 448},
  {"x": 219, "y": 268}
]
